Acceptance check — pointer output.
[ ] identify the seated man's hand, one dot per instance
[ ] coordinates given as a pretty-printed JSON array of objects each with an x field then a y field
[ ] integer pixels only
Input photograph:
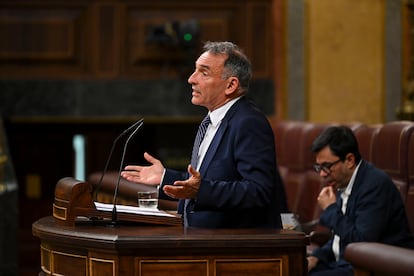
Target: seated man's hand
[
  {"x": 312, "y": 262},
  {"x": 326, "y": 197}
]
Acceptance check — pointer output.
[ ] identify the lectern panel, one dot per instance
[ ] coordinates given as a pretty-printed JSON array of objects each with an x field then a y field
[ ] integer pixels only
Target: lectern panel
[
  {"x": 45, "y": 256},
  {"x": 173, "y": 267},
  {"x": 100, "y": 266},
  {"x": 247, "y": 267},
  {"x": 69, "y": 264}
]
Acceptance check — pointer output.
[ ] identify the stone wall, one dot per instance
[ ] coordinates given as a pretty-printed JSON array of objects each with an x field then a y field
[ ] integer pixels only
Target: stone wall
[{"x": 163, "y": 98}]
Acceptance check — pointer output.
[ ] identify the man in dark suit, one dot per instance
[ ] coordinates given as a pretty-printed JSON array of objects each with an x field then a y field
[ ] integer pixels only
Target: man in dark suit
[
  {"x": 232, "y": 181},
  {"x": 359, "y": 202}
]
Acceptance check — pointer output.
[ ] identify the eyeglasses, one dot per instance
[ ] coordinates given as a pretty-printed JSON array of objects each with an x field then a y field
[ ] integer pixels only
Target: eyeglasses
[{"x": 326, "y": 166}]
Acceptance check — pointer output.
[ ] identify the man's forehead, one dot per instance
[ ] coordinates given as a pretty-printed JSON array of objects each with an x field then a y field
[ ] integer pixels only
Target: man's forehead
[
  {"x": 325, "y": 154},
  {"x": 209, "y": 61}
]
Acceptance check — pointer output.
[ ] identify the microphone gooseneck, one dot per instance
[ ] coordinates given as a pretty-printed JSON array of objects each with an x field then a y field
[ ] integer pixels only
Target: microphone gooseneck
[
  {"x": 140, "y": 121},
  {"x": 114, "y": 212}
]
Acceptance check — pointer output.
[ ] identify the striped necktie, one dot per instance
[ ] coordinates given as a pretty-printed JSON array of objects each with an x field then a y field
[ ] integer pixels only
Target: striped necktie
[{"x": 202, "y": 129}]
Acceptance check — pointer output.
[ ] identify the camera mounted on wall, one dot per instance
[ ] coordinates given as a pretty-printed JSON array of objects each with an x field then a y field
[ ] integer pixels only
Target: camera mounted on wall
[{"x": 175, "y": 34}]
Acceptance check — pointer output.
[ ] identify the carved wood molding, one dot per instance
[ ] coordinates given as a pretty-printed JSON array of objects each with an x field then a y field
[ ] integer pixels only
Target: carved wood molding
[{"x": 109, "y": 39}]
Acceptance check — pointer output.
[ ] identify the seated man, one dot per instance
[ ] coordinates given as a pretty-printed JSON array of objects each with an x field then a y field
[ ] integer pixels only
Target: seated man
[{"x": 359, "y": 202}]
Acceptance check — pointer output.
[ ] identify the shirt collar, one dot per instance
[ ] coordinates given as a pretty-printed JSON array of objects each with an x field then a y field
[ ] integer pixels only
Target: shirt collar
[
  {"x": 348, "y": 188},
  {"x": 218, "y": 114}
]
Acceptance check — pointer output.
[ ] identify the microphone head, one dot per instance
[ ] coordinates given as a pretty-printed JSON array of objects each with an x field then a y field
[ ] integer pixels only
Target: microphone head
[{"x": 132, "y": 126}]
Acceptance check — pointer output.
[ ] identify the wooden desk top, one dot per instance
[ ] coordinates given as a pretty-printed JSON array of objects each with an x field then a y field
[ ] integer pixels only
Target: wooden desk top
[
  {"x": 128, "y": 236},
  {"x": 133, "y": 249}
]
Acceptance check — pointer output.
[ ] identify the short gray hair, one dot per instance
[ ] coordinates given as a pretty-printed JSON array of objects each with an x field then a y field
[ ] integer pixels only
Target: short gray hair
[{"x": 237, "y": 64}]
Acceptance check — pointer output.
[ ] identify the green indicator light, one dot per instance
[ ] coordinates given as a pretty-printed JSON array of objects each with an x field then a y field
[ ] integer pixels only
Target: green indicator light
[{"x": 188, "y": 37}]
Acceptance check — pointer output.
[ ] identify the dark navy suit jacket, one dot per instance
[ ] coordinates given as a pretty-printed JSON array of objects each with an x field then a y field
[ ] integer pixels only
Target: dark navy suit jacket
[
  {"x": 240, "y": 185},
  {"x": 374, "y": 213}
]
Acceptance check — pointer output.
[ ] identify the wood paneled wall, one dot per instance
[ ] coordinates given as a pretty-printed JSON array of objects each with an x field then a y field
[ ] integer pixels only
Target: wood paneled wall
[
  {"x": 108, "y": 39},
  {"x": 64, "y": 58}
]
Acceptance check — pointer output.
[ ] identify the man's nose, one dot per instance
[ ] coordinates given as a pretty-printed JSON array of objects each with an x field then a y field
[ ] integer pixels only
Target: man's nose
[
  {"x": 322, "y": 173},
  {"x": 191, "y": 78}
]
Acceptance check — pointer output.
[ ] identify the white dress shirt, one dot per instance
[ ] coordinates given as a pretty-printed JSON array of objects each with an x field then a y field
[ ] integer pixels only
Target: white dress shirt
[
  {"x": 216, "y": 116},
  {"x": 344, "y": 196}
]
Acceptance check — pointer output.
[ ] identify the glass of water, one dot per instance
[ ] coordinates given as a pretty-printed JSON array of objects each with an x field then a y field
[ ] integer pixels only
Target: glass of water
[{"x": 148, "y": 199}]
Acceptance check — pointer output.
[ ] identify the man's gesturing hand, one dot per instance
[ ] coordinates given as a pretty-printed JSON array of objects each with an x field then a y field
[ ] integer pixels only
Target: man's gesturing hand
[
  {"x": 150, "y": 175},
  {"x": 185, "y": 189}
]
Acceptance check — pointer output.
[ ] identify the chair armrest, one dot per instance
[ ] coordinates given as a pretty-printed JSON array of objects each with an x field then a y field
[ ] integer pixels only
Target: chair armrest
[{"x": 378, "y": 257}]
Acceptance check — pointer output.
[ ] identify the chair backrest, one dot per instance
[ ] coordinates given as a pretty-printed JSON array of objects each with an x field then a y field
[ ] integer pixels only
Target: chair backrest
[
  {"x": 309, "y": 135},
  {"x": 390, "y": 152},
  {"x": 291, "y": 153},
  {"x": 409, "y": 202},
  {"x": 279, "y": 129},
  {"x": 365, "y": 136},
  {"x": 307, "y": 209}
]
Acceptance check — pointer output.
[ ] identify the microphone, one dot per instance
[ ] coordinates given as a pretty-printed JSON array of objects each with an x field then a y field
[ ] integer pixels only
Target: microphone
[
  {"x": 139, "y": 122},
  {"x": 114, "y": 212}
]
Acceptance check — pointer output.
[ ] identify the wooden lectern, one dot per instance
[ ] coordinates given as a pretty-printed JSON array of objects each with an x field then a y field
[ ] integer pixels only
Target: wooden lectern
[
  {"x": 73, "y": 198},
  {"x": 72, "y": 245}
]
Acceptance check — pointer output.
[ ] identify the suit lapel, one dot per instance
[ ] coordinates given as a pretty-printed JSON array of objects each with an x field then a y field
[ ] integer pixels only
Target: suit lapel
[
  {"x": 213, "y": 147},
  {"x": 357, "y": 185},
  {"x": 219, "y": 136}
]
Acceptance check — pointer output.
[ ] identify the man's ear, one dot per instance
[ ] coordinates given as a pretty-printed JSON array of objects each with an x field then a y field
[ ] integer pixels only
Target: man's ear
[
  {"x": 232, "y": 85},
  {"x": 350, "y": 159}
]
